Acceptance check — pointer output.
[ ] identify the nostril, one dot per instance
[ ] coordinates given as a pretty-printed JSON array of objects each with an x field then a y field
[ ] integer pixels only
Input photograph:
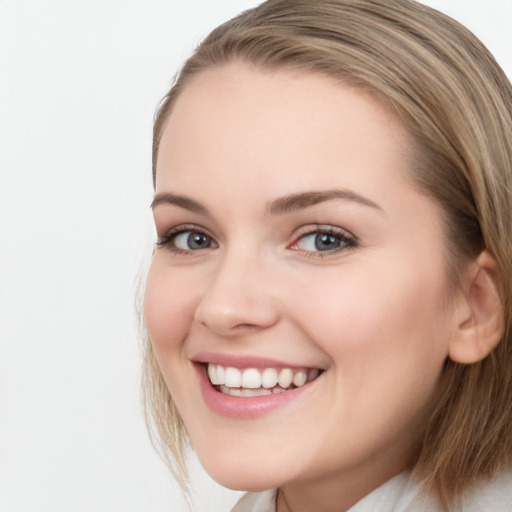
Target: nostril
[
  {"x": 233, "y": 302},
  {"x": 229, "y": 320},
  {"x": 246, "y": 327}
]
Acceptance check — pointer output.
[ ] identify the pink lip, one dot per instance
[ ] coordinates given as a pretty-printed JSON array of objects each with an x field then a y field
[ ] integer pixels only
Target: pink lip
[
  {"x": 244, "y": 407},
  {"x": 242, "y": 361}
]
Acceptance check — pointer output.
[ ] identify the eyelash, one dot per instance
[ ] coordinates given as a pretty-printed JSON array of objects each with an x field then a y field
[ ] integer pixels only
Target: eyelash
[
  {"x": 168, "y": 240},
  {"x": 347, "y": 241}
]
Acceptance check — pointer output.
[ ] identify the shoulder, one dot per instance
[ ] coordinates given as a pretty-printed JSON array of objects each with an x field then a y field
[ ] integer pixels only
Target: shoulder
[
  {"x": 494, "y": 494},
  {"x": 264, "y": 501},
  {"x": 403, "y": 494}
]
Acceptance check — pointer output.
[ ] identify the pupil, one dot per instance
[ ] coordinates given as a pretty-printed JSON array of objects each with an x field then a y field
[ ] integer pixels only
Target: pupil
[
  {"x": 197, "y": 241},
  {"x": 325, "y": 242}
]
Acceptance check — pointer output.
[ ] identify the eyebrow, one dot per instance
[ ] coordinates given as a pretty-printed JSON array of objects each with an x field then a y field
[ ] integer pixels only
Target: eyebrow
[
  {"x": 279, "y": 206},
  {"x": 293, "y": 202},
  {"x": 181, "y": 201}
]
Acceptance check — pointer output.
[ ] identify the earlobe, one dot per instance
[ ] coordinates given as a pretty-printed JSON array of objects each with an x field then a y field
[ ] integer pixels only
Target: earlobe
[{"x": 481, "y": 329}]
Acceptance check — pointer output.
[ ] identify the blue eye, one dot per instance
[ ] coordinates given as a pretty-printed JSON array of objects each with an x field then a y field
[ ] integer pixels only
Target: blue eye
[
  {"x": 324, "y": 241},
  {"x": 186, "y": 241},
  {"x": 192, "y": 241}
]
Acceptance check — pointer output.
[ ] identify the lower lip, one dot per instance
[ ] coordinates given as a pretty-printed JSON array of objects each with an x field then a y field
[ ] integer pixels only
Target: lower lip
[{"x": 245, "y": 407}]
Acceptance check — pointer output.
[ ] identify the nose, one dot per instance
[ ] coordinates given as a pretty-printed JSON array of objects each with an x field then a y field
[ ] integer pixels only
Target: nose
[{"x": 240, "y": 297}]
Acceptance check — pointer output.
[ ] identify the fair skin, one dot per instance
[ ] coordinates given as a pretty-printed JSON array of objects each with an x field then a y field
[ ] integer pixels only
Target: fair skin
[{"x": 351, "y": 282}]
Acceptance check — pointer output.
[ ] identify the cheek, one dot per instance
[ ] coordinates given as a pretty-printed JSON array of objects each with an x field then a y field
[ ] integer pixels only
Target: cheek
[
  {"x": 385, "y": 337},
  {"x": 365, "y": 315},
  {"x": 168, "y": 308}
]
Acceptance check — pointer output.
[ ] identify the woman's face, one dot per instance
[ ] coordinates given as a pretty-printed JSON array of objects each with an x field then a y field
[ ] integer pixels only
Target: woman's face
[{"x": 293, "y": 246}]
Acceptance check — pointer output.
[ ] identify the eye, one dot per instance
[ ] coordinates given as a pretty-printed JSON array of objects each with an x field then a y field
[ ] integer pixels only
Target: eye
[
  {"x": 324, "y": 240},
  {"x": 192, "y": 241},
  {"x": 182, "y": 240}
]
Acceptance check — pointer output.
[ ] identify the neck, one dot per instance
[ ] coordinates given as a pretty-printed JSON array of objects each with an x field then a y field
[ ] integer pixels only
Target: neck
[{"x": 334, "y": 495}]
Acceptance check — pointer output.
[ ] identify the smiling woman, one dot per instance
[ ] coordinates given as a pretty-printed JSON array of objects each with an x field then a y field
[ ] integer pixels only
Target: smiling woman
[{"x": 328, "y": 304}]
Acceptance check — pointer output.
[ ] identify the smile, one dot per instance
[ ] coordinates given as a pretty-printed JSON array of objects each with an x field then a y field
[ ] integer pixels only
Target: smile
[{"x": 254, "y": 382}]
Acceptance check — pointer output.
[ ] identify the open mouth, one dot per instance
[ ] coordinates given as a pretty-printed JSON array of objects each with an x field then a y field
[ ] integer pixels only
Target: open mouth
[{"x": 250, "y": 382}]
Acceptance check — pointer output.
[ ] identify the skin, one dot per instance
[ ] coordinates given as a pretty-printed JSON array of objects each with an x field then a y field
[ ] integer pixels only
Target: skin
[{"x": 374, "y": 316}]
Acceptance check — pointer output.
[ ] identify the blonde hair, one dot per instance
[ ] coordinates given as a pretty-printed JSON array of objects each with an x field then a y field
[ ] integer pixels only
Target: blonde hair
[{"x": 456, "y": 103}]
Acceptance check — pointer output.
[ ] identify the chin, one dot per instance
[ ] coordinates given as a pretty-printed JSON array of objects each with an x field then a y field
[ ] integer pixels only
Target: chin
[
  {"x": 247, "y": 482},
  {"x": 242, "y": 475}
]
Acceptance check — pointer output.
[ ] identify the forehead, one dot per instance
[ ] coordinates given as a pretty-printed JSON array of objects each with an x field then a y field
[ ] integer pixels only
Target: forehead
[{"x": 241, "y": 122}]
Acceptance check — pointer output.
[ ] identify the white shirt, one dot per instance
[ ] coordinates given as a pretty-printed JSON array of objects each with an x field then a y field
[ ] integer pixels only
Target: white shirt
[{"x": 401, "y": 494}]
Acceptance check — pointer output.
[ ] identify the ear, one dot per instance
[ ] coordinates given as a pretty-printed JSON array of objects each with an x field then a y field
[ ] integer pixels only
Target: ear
[{"x": 482, "y": 325}]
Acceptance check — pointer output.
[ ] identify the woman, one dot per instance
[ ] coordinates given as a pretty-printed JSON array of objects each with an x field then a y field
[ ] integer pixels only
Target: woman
[{"x": 328, "y": 305}]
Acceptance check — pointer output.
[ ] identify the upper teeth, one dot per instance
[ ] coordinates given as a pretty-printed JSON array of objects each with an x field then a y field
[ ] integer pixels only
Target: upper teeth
[{"x": 253, "y": 378}]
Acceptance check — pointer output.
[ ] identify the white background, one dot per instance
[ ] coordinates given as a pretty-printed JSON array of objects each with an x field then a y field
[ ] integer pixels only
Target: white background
[{"x": 79, "y": 83}]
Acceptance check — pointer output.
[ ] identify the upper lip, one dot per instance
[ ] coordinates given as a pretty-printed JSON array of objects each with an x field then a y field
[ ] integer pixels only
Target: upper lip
[{"x": 244, "y": 361}]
